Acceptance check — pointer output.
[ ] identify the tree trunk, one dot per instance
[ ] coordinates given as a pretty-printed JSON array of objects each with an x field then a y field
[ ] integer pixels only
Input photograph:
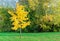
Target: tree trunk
[{"x": 20, "y": 33}]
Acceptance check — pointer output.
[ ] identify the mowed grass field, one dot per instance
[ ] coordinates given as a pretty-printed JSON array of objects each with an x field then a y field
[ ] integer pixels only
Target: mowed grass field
[
  {"x": 50, "y": 36},
  {"x": 9, "y": 37}
]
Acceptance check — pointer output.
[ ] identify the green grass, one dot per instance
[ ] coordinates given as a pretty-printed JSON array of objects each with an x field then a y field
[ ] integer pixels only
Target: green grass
[
  {"x": 9, "y": 37},
  {"x": 53, "y": 36}
]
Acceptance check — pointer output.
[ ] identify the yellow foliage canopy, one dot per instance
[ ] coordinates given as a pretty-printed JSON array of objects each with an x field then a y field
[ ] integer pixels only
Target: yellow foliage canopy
[{"x": 19, "y": 17}]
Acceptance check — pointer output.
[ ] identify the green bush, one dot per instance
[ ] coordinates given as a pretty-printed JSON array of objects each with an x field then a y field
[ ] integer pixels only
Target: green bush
[{"x": 5, "y": 23}]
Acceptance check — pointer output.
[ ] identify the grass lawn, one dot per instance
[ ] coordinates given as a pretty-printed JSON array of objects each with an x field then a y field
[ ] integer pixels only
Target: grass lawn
[
  {"x": 53, "y": 36},
  {"x": 50, "y": 36},
  {"x": 9, "y": 37}
]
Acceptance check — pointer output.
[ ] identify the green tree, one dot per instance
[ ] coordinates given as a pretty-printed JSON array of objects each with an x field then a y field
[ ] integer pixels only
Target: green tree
[
  {"x": 44, "y": 15},
  {"x": 5, "y": 23}
]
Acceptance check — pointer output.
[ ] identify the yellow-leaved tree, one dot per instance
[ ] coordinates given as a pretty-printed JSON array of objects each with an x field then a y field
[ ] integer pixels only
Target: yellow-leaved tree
[{"x": 19, "y": 17}]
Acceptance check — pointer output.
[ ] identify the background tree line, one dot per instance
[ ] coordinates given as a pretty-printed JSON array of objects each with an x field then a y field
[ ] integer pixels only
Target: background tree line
[{"x": 43, "y": 14}]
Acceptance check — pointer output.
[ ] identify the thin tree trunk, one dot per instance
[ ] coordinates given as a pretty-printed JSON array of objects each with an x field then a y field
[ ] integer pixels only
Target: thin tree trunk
[{"x": 20, "y": 33}]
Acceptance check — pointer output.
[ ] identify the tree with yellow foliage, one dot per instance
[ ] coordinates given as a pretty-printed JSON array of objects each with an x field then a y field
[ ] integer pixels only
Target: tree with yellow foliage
[{"x": 19, "y": 17}]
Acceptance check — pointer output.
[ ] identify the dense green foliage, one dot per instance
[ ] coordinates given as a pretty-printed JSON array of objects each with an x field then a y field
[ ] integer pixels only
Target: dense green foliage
[
  {"x": 5, "y": 22},
  {"x": 43, "y": 14}
]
